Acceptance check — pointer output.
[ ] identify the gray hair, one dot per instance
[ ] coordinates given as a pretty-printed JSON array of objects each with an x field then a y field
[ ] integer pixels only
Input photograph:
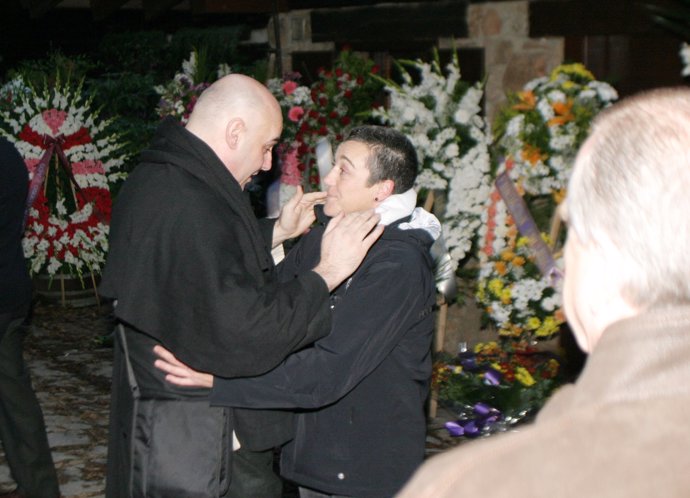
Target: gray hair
[{"x": 630, "y": 194}]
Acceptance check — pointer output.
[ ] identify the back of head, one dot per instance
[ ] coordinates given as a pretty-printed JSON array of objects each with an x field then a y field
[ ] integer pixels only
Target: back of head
[
  {"x": 630, "y": 194},
  {"x": 233, "y": 96},
  {"x": 392, "y": 156}
]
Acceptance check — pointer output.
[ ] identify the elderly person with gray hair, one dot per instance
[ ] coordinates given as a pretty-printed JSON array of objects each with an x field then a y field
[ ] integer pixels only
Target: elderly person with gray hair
[{"x": 621, "y": 430}]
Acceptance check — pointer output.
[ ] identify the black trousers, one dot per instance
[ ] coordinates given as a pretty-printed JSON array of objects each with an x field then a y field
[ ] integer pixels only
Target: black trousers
[
  {"x": 22, "y": 429},
  {"x": 253, "y": 475}
]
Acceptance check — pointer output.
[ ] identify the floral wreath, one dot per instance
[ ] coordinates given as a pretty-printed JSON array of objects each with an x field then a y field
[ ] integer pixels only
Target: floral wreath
[
  {"x": 441, "y": 115},
  {"x": 72, "y": 162},
  {"x": 538, "y": 135}
]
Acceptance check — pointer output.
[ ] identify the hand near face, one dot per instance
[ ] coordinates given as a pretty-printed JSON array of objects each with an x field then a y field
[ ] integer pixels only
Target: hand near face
[
  {"x": 345, "y": 242},
  {"x": 178, "y": 373},
  {"x": 297, "y": 215}
]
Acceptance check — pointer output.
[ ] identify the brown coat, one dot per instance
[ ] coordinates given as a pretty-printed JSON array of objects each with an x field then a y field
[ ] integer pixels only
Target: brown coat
[{"x": 621, "y": 431}]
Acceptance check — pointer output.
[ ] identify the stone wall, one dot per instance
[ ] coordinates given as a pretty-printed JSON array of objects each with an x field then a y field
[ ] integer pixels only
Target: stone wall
[{"x": 511, "y": 57}]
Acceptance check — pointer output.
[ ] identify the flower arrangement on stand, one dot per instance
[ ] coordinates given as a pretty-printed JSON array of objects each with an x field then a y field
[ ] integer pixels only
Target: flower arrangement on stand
[
  {"x": 495, "y": 386},
  {"x": 73, "y": 161},
  {"x": 179, "y": 95},
  {"x": 538, "y": 135},
  {"x": 441, "y": 115}
]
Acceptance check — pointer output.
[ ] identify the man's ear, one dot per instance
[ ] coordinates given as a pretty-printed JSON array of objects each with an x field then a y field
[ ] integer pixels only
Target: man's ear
[
  {"x": 233, "y": 132},
  {"x": 385, "y": 189}
]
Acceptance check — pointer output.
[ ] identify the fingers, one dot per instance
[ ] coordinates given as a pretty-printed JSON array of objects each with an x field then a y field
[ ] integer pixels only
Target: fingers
[
  {"x": 167, "y": 356},
  {"x": 313, "y": 198}
]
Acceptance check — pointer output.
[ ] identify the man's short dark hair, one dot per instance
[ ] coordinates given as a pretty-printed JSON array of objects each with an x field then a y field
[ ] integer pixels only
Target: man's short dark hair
[{"x": 393, "y": 156}]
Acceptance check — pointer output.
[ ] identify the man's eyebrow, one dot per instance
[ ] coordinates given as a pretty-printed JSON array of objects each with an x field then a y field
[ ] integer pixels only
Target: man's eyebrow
[{"x": 345, "y": 158}]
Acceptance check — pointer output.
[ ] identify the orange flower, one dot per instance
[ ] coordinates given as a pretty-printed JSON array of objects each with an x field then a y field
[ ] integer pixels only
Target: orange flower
[
  {"x": 563, "y": 113},
  {"x": 527, "y": 101},
  {"x": 518, "y": 261},
  {"x": 532, "y": 154},
  {"x": 501, "y": 268}
]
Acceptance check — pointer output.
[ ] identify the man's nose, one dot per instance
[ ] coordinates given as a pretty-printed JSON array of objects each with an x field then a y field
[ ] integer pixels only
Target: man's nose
[{"x": 330, "y": 178}]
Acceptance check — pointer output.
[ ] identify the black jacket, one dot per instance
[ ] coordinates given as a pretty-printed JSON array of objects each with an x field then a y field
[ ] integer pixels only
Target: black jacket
[
  {"x": 190, "y": 267},
  {"x": 15, "y": 284},
  {"x": 363, "y": 387}
]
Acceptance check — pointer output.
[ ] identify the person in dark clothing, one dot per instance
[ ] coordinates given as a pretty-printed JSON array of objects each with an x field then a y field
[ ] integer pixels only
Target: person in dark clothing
[
  {"x": 22, "y": 429},
  {"x": 360, "y": 390},
  {"x": 190, "y": 267}
]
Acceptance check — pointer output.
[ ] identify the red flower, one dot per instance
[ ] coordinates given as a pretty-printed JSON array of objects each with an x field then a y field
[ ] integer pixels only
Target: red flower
[
  {"x": 295, "y": 114},
  {"x": 348, "y": 94},
  {"x": 289, "y": 87},
  {"x": 345, "y": 120},
  {"x": 375, "y": 69}
]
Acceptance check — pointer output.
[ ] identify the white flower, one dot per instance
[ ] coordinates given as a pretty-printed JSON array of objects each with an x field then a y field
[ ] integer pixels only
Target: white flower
[{"x": 432, "y": 108}]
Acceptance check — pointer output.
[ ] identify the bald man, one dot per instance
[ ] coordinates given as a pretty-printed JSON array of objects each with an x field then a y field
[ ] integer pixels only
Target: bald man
[{"x": 190, "y": 268}]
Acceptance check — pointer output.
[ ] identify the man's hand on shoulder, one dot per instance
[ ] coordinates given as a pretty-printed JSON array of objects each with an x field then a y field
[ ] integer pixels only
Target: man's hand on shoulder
[{"x": 345, "y": 243}]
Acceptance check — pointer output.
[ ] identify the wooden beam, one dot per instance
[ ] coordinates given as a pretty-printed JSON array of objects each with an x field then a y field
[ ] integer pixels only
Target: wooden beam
[
  {"x": 588, "y": 17},
  {"x": 238, "y": 6},
  {"x": 154, "y": 8},
  {"x": 38, "y": 8},
  {"x": 101, "y": 9},
  {"x": 389, "y": 26}
]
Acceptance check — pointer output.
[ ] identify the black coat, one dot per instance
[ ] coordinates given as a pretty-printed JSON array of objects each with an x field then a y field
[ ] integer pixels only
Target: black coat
[
  {"x": 364, "y": 385},
  {"x": 190, "y": 267},
  {"x": 15, "y": 284}
]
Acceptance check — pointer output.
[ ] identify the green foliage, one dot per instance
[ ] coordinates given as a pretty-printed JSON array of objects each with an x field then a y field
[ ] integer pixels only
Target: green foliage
[
  {"x": 55, "y": 67},
  {"x": 142, "y": 52}
]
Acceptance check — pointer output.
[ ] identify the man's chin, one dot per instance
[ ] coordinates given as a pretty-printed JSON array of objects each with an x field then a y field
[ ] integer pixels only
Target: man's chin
[{"x": 330, "y": 210}]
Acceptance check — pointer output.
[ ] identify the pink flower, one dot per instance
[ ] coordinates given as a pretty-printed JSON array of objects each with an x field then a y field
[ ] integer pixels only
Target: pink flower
[
  {"x": 289, "y": 87},
  {"x": 88, "y": 167},
  {"x": 291, "y": 174},
  {"x": 295, "y": 114},
  {"x": 54, "y": 119}
]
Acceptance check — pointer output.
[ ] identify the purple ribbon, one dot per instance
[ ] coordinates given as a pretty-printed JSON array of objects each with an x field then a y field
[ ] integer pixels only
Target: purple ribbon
[
  {"x": 485, "y": 417},
  {"x": 527, "y": 227}
]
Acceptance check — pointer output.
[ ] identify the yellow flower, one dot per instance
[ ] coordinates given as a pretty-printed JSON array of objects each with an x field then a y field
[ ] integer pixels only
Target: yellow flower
[
  {"x": 486, "y": 347},
  {"x": 548, "y": 328},
  {"x": 522, "y": 241},
  {"x": 533, "y": 323},
  {"x": 574, "y": 69},
  {"x": 507, "y": 255},
  {"x": 495, "y": 286},
  {"x": 506, "y": 296},
  {"x": 524, "y": 377},
  {"x": 496, "y": 366}
]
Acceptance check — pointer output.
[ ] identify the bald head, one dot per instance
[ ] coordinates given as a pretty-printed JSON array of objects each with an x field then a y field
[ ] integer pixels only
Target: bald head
[{"x": 240, "y": 120}]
